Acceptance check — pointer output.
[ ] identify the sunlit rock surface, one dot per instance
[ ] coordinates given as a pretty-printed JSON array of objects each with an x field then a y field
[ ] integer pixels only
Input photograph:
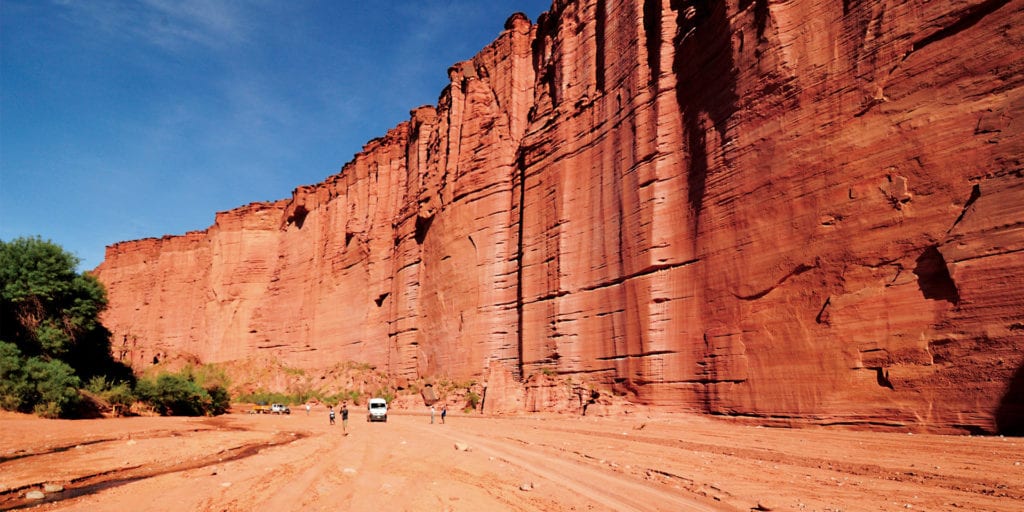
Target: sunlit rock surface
[{"x": 801, "y": 211}]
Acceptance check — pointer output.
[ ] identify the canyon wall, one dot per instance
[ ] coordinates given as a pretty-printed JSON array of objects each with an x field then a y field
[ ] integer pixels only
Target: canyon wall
[{"x": 794, "y": 210}]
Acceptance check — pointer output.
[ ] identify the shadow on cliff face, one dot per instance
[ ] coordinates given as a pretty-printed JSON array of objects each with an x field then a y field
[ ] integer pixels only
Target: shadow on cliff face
[
  {"x": 705, "y": 82},
  {"x": 1010, "y": 415},
  {"x": 933, "y": 277}
]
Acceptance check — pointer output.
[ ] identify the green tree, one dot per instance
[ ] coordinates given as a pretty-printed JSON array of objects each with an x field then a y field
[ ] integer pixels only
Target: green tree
[
  {"x": 37, "y": 290},
  {"x": 49, "y": 319}
]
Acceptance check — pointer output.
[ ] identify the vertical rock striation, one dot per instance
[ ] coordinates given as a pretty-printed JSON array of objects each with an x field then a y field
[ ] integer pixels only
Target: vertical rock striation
[{"x": 796, "y": 210}]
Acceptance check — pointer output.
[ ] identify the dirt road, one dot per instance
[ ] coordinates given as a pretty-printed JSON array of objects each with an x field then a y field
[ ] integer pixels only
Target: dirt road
[{"x": 628, "y": 463}]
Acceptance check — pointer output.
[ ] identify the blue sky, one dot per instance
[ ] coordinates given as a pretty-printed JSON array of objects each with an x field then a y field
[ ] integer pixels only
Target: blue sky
[{"x": 122, "y": 120}]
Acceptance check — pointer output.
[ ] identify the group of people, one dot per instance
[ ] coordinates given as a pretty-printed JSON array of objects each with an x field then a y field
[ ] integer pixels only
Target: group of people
[
  {"x": 344, "y": 416},
  {"x": 444, "y": 412}
]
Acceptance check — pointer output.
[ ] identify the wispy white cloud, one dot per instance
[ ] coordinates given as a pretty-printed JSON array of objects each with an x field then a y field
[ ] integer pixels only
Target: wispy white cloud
[
  {"x": 172, "y": 25},
  {"x": 202, "y": 22}
]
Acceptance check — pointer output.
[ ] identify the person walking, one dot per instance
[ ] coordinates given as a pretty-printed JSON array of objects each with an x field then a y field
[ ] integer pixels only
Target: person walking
[
  {"x": 444, "y": 412},
  {"x": 344, "y": 417},
  {"x": 431, "y": 414},
  {"x": 331, "y": 413}
]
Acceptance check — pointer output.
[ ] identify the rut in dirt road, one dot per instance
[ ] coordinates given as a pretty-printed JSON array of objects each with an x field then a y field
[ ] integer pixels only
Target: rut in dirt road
[
  {"x": 14, "y": 499},
  {"x": 612, "y": 490}
]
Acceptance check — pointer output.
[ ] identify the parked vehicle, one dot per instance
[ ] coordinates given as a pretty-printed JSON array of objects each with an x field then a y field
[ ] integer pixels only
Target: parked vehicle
[
  {"x": 260, "y": 408},
  {"x": 280, "y": 409},
  {"x": 377, "y": 410}
]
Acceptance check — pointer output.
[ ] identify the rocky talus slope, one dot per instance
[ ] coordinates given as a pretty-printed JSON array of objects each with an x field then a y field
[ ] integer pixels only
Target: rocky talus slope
[{"x": 792, "y": 210}]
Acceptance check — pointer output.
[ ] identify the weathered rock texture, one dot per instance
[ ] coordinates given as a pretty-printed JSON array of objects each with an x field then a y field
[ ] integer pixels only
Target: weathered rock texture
[{"x": 787, "y": 209}]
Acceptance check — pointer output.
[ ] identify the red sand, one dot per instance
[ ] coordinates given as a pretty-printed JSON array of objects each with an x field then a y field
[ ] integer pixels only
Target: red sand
[{"x": 629, "y": 462}]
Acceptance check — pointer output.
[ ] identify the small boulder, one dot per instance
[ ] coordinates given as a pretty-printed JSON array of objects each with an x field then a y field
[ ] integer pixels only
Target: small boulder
[
  {"x": 462, "y": 447},
  {"x": 53, "y": 488},
  {"x": 34, "y": 495}
]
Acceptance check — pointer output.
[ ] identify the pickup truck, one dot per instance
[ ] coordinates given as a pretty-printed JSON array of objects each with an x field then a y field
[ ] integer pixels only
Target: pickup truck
[
  {"x": 280, "y": 409},
  {"x": 260, "y": 409}
]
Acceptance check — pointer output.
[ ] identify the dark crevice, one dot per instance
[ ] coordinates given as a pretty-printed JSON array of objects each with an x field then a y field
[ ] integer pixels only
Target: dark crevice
[
  {"x": 600, "y": 28},
  {"x": 629, "y": 356},
  {"x": 822, "y": 317},
  {"x": 975, "y": 194},
  {"x": 705, "y": 84},
  {"x": 800, "y": 269},
  {"x": 761, "y": 14},
  {"x": 882, "y": 377},
  {"x": 652, "y": 34},
  {"x": 933, "y": 277},
  {"x": 640, "y": 273},
  {"x": 547, "y": 24},
  {"x": 422, "y": 227},
  {"x": 298, "y": 217},
  {"x": 970, "y": 17},
  {"x": 521, "y": 174},
  {"x": 380, "y": 299},
  {"x": 1010, "y": 414}
]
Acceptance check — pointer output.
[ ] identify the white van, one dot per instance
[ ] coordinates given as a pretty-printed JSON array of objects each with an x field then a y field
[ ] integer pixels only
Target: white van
[{"x": 378, "y": 410}]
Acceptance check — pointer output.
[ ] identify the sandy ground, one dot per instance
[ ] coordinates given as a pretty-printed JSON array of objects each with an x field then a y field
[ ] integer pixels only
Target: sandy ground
[{"x": 242, "y": 462}]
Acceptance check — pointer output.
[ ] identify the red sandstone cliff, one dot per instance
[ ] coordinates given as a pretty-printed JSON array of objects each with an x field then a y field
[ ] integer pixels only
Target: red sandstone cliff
[{"x": 797, "y": 210}]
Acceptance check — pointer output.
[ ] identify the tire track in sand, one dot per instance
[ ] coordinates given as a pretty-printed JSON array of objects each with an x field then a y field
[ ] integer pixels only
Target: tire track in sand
[{"x": 612, "y": 490}]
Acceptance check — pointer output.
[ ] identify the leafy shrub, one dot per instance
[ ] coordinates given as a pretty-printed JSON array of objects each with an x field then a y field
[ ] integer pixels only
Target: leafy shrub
[
  {"x": 119, "y": 395},
  {"x": 15, "y": 389},
  {"x": 472, "y": 401},
  {"x": 220, "y": 400},
  {"x": 268, "y": 397},
  {"x": 180, "y": 395},
  {"x": 386, "y": 394},
  {"x": 56, "y": 387},
  {"x": 47, "y": 388},
  {"x": 353, "y": 396}
]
